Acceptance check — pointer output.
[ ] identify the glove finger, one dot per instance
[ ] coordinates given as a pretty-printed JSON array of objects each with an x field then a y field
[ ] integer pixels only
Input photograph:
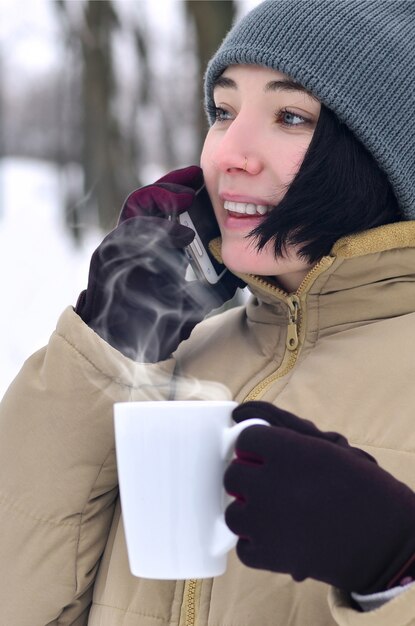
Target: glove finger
[
  {"x": 264, "y": 444},
  {"x": 275, "y": 416},
  {"x": 170, "y": 195},
  {"x": 241, "y": 479},
  {"x": 284, "y": 419},
  {"x": 247, "y": 552},
  {"x": 257, "y": 444},
  {"x": 157, "y": 200},
  {"x": 254, "y": 553},
  {"x": 139, "y": 231},
  {"x": 179, "y": 236},
  {"x": 237, "y": 520},
  {"x": 189, "y": 176}
]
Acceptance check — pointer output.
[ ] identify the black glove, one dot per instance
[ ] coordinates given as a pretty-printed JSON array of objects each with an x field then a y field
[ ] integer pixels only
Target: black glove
[
  {"x": 310, "y": 505},
  {"x": 137, "y": 297}
]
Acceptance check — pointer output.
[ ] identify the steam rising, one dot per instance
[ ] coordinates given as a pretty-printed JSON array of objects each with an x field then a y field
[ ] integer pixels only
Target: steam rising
[{"x": 146, "y": 307}]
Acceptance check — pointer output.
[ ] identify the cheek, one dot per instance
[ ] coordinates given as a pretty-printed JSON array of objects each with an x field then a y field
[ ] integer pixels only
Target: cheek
[
  {"x": 206, "y": 157},
  {"x": 288, "y": 162},
  {"x": 210, "y": 172}
]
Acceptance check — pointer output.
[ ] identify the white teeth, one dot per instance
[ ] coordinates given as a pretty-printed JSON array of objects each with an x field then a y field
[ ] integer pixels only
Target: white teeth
[
  {"x": 247, "y": 208},
  {"x": 262, "y": 209}
]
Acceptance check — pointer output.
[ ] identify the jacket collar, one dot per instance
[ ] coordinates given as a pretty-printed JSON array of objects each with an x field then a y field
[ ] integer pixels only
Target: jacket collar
[{"x": 366, "y": 277}]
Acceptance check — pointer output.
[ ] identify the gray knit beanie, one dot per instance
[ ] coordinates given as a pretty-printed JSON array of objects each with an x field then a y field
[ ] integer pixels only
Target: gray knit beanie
[{"x": 355, "y": 56}]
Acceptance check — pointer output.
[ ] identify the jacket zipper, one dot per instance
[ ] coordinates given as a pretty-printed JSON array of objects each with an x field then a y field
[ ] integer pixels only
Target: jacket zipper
[
  {"x": 190, "y": 610},
  {"x": 189, "y": 614},
  {"x": 293, "y": 303},
  {"x": 295, "y": 315},
  {"x": 294, "y": 326}
]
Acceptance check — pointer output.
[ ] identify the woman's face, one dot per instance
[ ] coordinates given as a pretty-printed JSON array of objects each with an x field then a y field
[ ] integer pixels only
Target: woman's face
[{"x": 264, "y": 124}]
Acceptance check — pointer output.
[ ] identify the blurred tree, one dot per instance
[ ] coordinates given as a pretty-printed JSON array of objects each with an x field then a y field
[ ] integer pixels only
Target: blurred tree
[
  {"x": 123, "y": 104},
  {"x": 212, "y": 19},
  {"x": 106, "y": 155}
]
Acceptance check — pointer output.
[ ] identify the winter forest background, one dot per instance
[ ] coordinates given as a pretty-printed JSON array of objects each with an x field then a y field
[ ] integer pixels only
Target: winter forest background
[{"x": 97, "y": 97}]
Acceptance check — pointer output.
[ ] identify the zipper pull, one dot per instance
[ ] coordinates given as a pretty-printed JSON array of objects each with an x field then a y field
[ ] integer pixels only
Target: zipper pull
[{"x": 292, "y": 328}]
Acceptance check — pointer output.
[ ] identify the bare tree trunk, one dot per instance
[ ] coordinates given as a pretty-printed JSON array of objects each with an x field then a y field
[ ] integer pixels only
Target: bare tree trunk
[
  {"x": 102, "y": 150},
  {"x": 212, "y": 20},
  {"x": 108, "y": 156}
]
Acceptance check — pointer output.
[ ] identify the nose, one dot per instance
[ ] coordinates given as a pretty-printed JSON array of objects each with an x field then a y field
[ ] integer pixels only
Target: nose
[{"x": 238, "y": 149}]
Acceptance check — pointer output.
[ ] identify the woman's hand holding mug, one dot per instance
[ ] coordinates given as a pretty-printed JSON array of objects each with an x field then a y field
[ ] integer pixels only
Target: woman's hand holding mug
[{"x": 310, "y": 505}]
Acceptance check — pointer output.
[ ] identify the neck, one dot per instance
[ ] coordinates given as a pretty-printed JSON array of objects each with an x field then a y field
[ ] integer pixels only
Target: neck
[{"x": 291, "y": 281}]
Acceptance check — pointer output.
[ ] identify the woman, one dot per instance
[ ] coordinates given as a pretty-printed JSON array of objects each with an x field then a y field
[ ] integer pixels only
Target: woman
[{"x": 309, "y": 165}]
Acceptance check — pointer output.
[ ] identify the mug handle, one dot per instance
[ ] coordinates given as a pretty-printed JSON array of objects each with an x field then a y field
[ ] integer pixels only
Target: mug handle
[{"x": 223, "y": 538}]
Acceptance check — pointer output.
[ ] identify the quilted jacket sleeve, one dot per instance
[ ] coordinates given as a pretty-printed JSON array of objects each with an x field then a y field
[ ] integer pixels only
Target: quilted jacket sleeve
[{"x": 58, "y": 474}]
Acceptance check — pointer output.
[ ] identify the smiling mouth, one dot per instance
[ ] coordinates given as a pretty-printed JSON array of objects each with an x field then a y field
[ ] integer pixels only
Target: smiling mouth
[{"x": 246, "y": 208}]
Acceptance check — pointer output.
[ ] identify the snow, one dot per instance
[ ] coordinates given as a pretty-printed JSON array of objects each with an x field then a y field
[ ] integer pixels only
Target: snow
[{"x": 41, "y": 269}]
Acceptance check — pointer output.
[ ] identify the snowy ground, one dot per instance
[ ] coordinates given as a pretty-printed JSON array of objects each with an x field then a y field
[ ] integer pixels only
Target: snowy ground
[{"x": 41, "y": 270}]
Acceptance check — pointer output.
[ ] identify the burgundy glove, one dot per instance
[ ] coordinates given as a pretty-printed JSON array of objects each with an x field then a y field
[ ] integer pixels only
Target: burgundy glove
[
  {"x": 310, "y": 505},
  {"x": 137, "y": 297}
]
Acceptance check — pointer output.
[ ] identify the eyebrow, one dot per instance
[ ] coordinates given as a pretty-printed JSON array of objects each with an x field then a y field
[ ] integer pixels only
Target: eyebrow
[{"x": 285, "y": 84}]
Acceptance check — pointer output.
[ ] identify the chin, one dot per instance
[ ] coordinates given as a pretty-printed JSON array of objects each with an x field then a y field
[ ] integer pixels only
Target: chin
[{"x": 243, "y": 261}]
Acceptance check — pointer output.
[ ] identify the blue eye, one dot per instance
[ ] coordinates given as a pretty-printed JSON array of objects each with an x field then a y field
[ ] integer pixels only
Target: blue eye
[
  {"x": 219, "y": 114},
  {"x": 288, "y": 118}
]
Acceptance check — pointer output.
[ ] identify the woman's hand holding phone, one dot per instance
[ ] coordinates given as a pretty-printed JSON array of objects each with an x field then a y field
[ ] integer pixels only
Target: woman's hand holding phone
[{"x": 138, "y": 298}]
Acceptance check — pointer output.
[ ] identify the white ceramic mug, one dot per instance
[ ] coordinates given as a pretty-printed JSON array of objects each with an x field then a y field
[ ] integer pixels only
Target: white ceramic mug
[{"x": 171, "y": 457}]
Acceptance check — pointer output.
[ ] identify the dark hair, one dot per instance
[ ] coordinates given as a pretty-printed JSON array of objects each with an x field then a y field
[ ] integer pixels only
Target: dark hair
[{"x": 338, "y": 190}]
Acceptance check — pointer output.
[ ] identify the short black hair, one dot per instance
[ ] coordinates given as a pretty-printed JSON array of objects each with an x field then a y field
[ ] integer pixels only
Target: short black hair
[{"x": 338, "y": 190}]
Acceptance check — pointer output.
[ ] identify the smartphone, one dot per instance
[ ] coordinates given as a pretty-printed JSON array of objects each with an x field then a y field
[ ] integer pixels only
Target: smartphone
[{"x": 201, "y": 218}]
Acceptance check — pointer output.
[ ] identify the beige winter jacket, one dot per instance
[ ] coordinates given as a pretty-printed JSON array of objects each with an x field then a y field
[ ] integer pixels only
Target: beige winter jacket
[{"x": 346, "y": 362}]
